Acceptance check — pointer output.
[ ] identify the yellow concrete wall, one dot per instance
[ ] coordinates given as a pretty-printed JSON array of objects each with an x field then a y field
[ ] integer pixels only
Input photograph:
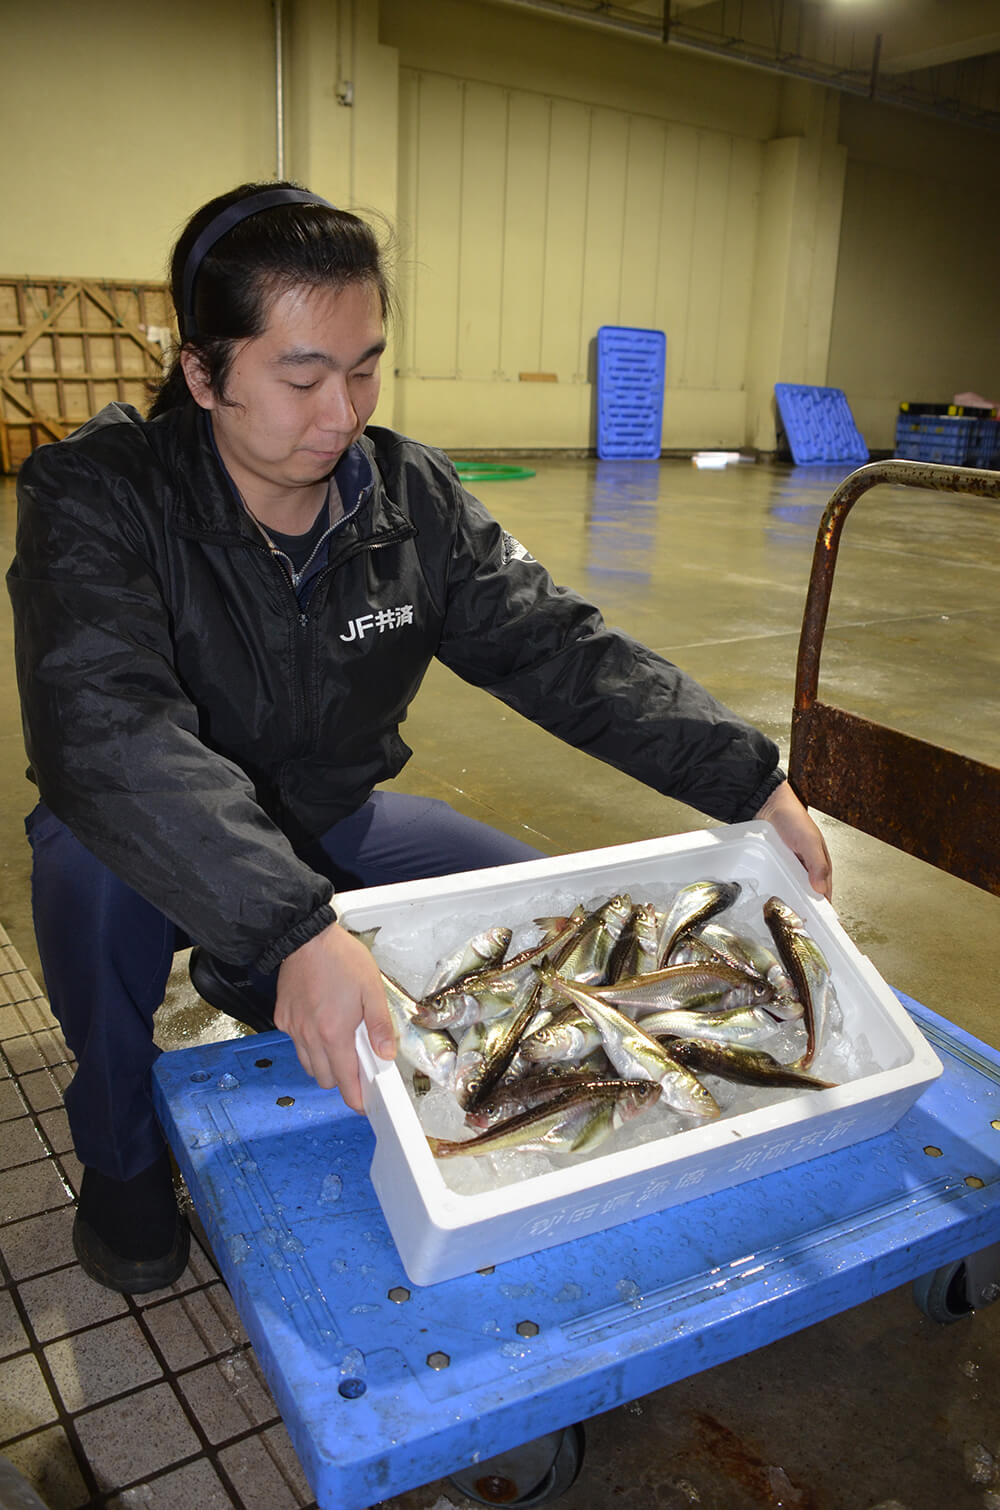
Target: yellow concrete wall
[
  {"x": 917, "y": 309},
  {"x": 799, "y": 213},
  {"x": 620, "y": 188},
  {"x": 117, "y": 120},
  {"x": 548, "y": 178}
]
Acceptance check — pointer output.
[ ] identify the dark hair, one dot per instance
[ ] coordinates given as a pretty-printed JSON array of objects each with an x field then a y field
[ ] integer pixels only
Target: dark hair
[{"x": 283, "y": 246}]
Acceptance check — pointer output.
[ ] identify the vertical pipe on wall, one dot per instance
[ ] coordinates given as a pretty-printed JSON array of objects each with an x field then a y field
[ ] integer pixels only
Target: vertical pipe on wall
[{"x": 279, "y": 91}]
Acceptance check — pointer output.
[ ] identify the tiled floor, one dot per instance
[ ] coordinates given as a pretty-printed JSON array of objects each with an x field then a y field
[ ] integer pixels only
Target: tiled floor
[{"x": 108, "y": 1400}]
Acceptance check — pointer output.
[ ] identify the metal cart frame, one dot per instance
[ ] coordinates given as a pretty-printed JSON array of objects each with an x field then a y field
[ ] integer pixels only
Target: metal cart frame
[{"x": 922, "y": 798}]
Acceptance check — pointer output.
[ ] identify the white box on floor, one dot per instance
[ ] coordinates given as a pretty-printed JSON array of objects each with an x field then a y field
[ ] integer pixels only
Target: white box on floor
[{"x": 440, "y": 1233}]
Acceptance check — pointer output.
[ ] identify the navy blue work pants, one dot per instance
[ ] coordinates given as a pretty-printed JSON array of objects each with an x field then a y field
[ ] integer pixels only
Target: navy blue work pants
[{"x": 106, "y": 953}]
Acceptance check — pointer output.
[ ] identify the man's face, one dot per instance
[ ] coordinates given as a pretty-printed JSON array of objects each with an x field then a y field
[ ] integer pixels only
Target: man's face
[{"x": 299, "y": 393}]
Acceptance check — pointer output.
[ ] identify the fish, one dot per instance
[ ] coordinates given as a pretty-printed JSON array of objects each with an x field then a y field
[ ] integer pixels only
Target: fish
[
  {"x": 478, "y": 998},
  {"x": 586, "y": 956},
  {"x": 737, "y": 1025},
  {"x": 364, "y": 936},
  {"x": 636, "y": 951},
  {"x": 634, "y": 1054},
  {"x": 469, "y": 1056},
  {"x": 427, "y": 1051},
  {"x": 748, "y": 1066},
  {"x": 499, "y": 1047},
  {"x": 809, "y": 971},
  {"x": 692, "y": 905},
  {"x": 431, "y": 1054},
  {"x": 551, "y": 927},
  {"x": 707, "y": 983},
  {"x": 484, "y": 951},
  {"x": 568, "y": 1035},
  {"x": 574, "y": 1121},
  {"x": 493, "y": 992},
  {"x": 744, "y": 951},
  {"x": 518, "y": 1094}
]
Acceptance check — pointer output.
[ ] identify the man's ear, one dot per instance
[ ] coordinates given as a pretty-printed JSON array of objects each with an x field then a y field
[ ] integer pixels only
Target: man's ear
[{"x": 196, "y": 377}]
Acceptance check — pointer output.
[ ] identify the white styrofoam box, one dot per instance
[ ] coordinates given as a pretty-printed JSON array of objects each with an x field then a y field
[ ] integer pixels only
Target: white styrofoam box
[{"x": 440, "y": 1233}]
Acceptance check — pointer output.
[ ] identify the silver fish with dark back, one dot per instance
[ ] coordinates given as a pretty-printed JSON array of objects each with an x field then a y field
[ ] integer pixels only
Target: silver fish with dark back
[
  {"x": 574, "y": 1121},
  {"x": 810, "y": 973},
  {"x": 735, "y": 1062},
  {"x": 634, "y": 1053},
  {"x": 692, "y": 905}
]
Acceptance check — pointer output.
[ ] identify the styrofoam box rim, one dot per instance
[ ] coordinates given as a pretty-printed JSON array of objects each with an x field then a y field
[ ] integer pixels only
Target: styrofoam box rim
[{"x": 754, "y": 847}]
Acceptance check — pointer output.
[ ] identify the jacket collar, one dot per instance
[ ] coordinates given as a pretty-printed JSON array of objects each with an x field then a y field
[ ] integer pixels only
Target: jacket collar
[{"x": 204, "y": 502}]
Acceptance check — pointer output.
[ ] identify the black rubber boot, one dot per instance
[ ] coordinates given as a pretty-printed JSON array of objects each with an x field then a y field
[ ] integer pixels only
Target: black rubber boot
[
  {"x": 129, "y": 1235},
  {"x": 227, "y": 988}
]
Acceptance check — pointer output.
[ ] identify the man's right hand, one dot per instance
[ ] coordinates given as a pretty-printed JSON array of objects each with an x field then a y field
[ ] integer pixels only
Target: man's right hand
[{"x": 325, "y": 989}]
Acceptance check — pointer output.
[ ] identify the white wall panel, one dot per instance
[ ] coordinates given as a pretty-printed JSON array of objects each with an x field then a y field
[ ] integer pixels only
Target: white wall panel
[
  {"x": 535, "y": 220},
  {"x": 481, "y": 229},
  {"x": 640, "y": 259},
  {"x": 524, "y": 232},
  {"x": 737, "y": 268},
  {"x": 707, "y": 261},
  {"x": 676, "y": 247},
  {"x": 433, "y": 310},
  {"x": 562, "y": 350}
]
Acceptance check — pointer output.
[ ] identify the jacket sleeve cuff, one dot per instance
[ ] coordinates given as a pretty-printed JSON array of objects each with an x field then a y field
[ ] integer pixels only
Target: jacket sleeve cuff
[
  {"x": 308, "y": 929},
  {"x": 756, "y": 800}
]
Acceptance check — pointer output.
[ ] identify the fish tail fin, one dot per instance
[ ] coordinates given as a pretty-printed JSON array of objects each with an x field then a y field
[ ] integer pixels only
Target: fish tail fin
[{"x": 442, "y": 1148}]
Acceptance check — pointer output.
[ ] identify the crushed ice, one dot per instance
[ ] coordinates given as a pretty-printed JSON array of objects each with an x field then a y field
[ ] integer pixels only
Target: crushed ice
[
  {"x": 630, "y": 1293},
  {"x": 783, "y": 1491},
  {"x": 239, "y": 1248},
  {"x": 980, "y": 1464},
  {"x": 331, "y": 1190}
]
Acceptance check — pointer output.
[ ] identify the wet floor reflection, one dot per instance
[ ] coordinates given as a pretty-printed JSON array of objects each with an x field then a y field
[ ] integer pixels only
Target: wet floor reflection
[
  {"x": 799, "y": 498},
  {"x": 621, "y": 520}
]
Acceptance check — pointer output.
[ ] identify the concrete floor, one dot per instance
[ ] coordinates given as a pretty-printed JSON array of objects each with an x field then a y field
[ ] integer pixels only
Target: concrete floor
[{"x": 878, "y": 1407}]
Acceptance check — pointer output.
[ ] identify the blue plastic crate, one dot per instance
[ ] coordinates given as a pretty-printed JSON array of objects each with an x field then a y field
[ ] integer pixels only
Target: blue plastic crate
[
  {"x": 818, "y": 424},
  {"x": 383, "y": 1385},
  {"x": 988, "y": 443},
  {"x": 631, "y": 367},
  {"x": 954, "y": 440}
]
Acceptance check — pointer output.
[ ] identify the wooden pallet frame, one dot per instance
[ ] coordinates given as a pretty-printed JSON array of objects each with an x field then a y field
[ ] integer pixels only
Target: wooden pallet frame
[{"x": 68, "y": 346}]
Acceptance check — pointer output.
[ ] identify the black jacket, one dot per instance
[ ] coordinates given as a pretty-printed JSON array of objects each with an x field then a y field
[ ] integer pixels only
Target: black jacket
[{"x": 193, "y": 721}]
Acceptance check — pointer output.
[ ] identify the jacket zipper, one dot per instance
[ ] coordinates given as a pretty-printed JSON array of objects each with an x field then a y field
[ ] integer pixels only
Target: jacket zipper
[{"x": 302, "y": 690}]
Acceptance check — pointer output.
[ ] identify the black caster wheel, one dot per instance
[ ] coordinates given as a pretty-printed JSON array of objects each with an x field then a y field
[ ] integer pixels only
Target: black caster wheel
[
  {"x": 943, "y": 1294},
  {"x": 533, "y": 1474}
]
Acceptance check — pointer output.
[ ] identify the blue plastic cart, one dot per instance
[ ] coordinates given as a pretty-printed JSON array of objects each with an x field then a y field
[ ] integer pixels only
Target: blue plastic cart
[{"x": 384, "y": 1386}]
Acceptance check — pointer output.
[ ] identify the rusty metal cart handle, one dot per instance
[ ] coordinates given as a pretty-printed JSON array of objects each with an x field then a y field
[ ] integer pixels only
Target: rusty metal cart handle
[{"x": 922, "y": 798}]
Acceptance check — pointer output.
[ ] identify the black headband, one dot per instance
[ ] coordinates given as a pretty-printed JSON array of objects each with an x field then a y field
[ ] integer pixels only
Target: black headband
[{"x": 217, "y": 228}]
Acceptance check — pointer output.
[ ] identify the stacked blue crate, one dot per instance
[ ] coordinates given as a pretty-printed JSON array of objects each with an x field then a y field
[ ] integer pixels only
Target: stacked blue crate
[
  {"x": 952, "y": 439},
  {"x": 818, "y": 424},
  {"x": 631, "y": 365}
]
